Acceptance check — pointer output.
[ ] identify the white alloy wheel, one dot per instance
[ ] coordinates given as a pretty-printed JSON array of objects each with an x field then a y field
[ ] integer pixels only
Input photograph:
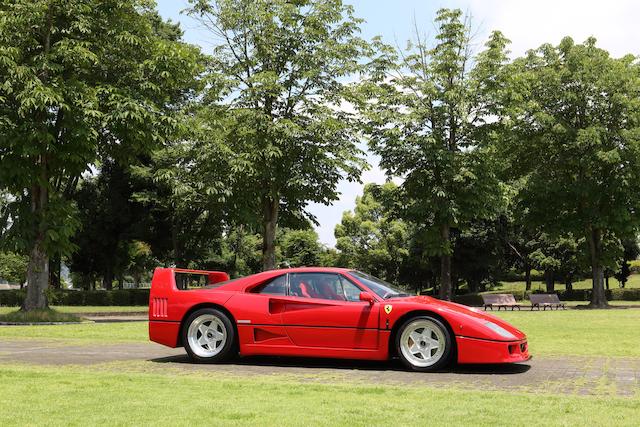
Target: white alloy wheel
[
  {"x": 423, "y": 343},
  {"x": 207, "y": 335}
]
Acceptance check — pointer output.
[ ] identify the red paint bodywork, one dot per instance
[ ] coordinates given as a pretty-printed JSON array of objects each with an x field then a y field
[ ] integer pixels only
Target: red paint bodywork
[{"x": 296, "y": 326}]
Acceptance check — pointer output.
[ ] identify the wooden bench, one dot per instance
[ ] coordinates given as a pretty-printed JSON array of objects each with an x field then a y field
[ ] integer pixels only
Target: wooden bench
[
  {"x": 546, "y": 300},
  {"x": 500, "y": 301}
]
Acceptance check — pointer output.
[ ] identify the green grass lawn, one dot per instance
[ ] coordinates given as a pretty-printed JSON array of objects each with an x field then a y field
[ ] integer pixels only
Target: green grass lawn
[
  {"x": 89, "y": 333},
  {"x": 89, "y": 309},
  {"x": 558, "y": 332},
  {"x": 79, "y": 396},
  {"x": 579, "y": 332}
]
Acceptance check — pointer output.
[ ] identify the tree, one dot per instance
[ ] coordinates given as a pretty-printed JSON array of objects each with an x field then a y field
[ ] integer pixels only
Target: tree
[
  {"x": 574, "y": 136},
  {"x": 300, "y": 248},
  {"x": 430, "y": 119},
  {"x": 479, "y": 254},
  {"x": 631, "y": 252},
  {"x": 13, "y": 267},
  {"x": 370, "y": 238},
  {"x": 81, "y": 80},
  {"x": 286, "y": 64},
  {"x": 559, "y": 257}
]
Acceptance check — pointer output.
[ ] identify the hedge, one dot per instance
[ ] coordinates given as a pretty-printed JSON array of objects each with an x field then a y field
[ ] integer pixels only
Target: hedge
[
  {"x": 617, "y": 294},
  {"x": 121, "y": 297}
]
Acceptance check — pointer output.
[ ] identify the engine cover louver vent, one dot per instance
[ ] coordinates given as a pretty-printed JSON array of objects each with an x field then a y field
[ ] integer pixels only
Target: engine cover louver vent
[{"x": 159, "y": 307}]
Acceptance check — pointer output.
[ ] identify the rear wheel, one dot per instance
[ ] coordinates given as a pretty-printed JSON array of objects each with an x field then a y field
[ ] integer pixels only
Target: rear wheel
[
  {"x": 208, "y": 336},
  {"x": 424, "y": 344}
]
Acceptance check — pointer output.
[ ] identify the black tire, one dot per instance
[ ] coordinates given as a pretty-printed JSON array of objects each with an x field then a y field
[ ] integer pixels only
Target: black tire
[
  {"x": 225, "y": 351},
  {"x": 445, "y": 355}
]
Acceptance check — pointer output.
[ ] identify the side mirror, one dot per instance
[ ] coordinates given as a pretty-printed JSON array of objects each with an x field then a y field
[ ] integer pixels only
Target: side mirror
[{"x": 366, "y": 296}]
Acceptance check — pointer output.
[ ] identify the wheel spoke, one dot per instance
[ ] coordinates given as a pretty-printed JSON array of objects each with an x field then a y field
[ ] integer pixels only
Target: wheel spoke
[
  {"x": 415, "y": 336},
  {"x": 202, "y": 329}
]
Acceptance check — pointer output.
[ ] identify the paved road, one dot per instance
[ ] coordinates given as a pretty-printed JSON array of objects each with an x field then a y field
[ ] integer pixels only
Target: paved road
[{"x": 576, "y": 375}]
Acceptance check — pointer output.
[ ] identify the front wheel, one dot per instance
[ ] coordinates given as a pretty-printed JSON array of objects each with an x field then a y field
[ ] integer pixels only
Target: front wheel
[
  {"x": 208, "y": 336},
  {"x": 424, "y": 344}
]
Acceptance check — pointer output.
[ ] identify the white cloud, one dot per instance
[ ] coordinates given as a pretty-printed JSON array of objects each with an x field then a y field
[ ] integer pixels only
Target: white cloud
[{"x": 528, "y": 24}]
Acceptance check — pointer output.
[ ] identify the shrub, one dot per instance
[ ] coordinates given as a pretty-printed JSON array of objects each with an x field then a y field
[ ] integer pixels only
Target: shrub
[
  {"x": 124, "y": 297},
  {"x": 38, "y": 316}
]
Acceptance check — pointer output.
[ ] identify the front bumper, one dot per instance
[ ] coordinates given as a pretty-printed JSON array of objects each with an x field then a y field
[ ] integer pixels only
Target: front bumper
[{"x": 474, "y": 350}]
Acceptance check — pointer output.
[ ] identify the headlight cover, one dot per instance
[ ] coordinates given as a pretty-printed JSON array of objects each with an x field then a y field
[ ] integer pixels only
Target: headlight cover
[{"x": 500, "y": 330}]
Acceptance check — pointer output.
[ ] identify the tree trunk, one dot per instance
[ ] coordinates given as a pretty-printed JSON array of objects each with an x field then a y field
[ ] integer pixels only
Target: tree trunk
[
  {"x": 606, "y": 281},
  {"x": 54, "y": 272},
  {"x": 107, "y": 279},
  {"x": 86, "y": 282},
  {"x": 37, "y": 278},
  {"x": 270, "y": 210},
  {"x": 527, "y": 278},
  {"x": 38, "y": 269},
  {"x": 569, "y": 285},
  {"x": 598, "y": 297},
  {"x": 550, "y": 280},
  {"x": 445, "y": 265}
]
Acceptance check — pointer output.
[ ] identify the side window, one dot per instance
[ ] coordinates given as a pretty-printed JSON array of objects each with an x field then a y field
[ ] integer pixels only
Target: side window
[
  {"x": 277, "y": 286},
  {"x": 324, "y": 286},
  {"x": 351, "y": 291}
]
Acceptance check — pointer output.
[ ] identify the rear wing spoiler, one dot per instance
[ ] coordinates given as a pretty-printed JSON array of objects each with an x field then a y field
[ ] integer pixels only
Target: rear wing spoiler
[{"x": 164, "y": 279}]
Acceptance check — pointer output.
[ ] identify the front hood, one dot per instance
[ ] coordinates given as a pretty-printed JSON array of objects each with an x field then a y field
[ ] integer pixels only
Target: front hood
[{"x": 464, "y": 320}]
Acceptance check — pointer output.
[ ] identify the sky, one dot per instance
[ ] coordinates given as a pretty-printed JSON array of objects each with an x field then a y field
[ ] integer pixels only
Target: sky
[{"x": 528, "y": 24}]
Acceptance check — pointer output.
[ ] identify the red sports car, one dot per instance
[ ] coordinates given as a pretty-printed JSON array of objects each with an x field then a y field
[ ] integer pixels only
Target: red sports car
[{"x": 321, "y": 312}]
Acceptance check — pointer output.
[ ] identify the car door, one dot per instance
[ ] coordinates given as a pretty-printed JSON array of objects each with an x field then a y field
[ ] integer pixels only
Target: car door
[
  {"x": 324, "y": 310},
  {"x": 259, "y": 323}
]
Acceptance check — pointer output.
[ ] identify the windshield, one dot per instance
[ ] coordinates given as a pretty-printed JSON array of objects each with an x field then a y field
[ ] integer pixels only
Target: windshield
[{"x": 381, "y": 288}]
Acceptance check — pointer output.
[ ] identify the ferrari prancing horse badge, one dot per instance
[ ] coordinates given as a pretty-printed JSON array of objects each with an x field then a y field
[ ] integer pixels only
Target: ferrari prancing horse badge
[{"x": 388, "y": 308}]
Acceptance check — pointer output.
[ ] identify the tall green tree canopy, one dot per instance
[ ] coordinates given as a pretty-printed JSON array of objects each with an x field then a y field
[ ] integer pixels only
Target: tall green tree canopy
[
  {"x": 575, "y": 135},
  {"x": 81, "y": 80},
  {"x": 286, "y": 63},
  {"x": 371, "y": 238},
  {"x": 433, "y": 110}
]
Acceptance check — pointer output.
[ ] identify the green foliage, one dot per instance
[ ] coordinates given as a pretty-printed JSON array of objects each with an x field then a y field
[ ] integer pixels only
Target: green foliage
[
  {"x": 299, "y": 248},
  {"x": 82, "y": 81},
  {"x": 429, "y": 116},
  {"x": 284, "y": 65},
  {"x": 121, "y": 297},
  {"x": 13, "y": 267},
  {"x": 370, "y": 238},
  {"x": 574, "y": 126}
]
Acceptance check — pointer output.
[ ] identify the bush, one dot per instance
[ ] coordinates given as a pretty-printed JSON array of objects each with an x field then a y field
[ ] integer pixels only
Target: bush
[
  {"x": 38, "y": 316},
  {"x": 618, "y": 294},
  {"x": 124, "y": 297}
]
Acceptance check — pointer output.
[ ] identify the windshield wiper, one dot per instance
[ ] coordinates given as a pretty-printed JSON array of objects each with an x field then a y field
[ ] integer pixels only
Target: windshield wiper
[{"x": 399, "y": 294}]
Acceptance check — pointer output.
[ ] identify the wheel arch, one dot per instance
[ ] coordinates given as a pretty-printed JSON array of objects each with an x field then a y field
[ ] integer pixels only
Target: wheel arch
[
  {"x": 207, "y": 305},
  {"x": 415, "y": 313}
]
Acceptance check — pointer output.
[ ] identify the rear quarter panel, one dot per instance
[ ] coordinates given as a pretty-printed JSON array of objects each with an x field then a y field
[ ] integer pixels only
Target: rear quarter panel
[{"x": 168, "y": 306}]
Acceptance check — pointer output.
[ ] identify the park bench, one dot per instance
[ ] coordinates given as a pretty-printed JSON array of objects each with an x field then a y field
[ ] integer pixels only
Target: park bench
[
  {"x": 546, "y": 300},
  {"x": 499, "y": 301}
]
